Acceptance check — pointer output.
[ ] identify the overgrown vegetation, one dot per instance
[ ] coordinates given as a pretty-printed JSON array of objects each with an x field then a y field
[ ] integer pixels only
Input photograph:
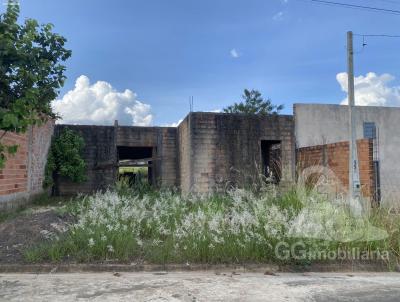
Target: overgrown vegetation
[
  {"x": 31, "y": 72},
  {"x": 237, "y": 227},
  {"x": 65, "y": 159}
]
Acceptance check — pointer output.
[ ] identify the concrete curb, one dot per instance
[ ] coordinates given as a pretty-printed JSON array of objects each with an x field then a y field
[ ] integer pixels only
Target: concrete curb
[{"x": 259, "y": 268}]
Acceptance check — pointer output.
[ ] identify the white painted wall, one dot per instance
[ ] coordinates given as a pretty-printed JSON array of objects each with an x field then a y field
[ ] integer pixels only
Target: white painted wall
[{"x": 317, "y": 124}]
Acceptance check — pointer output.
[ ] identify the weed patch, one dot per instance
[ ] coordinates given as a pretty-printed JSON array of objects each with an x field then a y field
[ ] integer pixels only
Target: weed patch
[{"x": 237, "y": 227}]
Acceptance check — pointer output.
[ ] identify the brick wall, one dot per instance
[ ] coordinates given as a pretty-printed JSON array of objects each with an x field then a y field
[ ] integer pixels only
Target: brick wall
[
  {"x": 336, "y": 158},
  {"x": 23, "y": 173},
  {"x": 14, "y": 176}
]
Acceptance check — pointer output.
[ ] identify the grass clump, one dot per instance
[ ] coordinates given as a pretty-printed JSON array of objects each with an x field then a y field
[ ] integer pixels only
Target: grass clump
[
  {"x": 7, "y": 215},
  {"x": 238, "y": 226}
]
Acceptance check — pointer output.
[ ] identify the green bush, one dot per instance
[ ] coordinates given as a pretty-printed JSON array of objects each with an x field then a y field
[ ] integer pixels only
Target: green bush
[{"x": 65, "y": 159}]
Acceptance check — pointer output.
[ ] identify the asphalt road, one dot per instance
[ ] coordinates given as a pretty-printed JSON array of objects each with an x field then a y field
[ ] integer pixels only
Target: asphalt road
[{"x": 200, "y": 286}]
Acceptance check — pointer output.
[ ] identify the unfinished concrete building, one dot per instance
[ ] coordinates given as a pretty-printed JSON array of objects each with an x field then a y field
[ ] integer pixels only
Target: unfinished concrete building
[
  {"x": 206, "y": 152},
  {"x": 211, "y": 152}
]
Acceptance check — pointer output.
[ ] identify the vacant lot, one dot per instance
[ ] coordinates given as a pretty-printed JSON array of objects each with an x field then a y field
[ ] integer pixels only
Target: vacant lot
[
  {"x": 239, "y": 226},
  {"x": 26, "y": 228}
]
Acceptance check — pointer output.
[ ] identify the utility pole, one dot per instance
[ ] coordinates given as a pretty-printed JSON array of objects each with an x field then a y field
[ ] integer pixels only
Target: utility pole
[{"x": 354, "y": 173}]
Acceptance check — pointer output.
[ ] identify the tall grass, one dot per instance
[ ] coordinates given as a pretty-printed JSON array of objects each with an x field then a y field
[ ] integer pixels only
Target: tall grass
[{"x": 127, "y": 224}]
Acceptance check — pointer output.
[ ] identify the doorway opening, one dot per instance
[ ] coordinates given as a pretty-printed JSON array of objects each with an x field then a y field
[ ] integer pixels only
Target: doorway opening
[
  {"x": 271, "y": 160},
  {"x": 135, "y": 164}
]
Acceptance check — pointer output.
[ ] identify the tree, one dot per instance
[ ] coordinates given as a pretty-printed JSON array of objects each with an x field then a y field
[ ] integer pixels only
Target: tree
[
  {"x": 31, "y": 72},
  {"x": 65, "y": 159},
  {"x": 254, "y": 103}
]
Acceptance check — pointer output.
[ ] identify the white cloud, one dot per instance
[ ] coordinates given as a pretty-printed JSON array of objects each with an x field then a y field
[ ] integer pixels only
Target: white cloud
[
  {"x": 372, "y": 89},
  {"x": 278, "y": 16},
  {"x": 176, "y": 124},
  {"x": 234, "y": 53},
  {"x": 101, "y": 104}
]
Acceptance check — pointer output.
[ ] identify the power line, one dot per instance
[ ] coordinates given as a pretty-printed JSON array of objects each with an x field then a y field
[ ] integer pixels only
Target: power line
[
  {"x": 390, "y": 1},
  {"x": 360, "y": 7},
  {"x": 382, "y": 35},
  {"x": 364, "y": 42}
]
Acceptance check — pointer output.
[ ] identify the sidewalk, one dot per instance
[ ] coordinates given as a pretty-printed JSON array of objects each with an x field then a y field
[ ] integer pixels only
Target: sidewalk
[{"x": 200, "y": 286}]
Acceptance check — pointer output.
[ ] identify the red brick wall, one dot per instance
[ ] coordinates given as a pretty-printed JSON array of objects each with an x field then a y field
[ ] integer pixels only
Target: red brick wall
[
  {"x": 23, "y": 173},
  {"x": 336, "y": 158},
  {"x": 14, "y": 176}
]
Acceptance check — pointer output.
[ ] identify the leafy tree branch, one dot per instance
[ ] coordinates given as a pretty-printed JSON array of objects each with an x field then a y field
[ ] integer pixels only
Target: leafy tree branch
[
  {"x": 254, "y": 103},
  {"x": 31, "y": 73}
]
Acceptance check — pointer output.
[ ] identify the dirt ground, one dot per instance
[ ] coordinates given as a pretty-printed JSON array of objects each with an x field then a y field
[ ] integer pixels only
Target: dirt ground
[{"x": 29, "y": 228}]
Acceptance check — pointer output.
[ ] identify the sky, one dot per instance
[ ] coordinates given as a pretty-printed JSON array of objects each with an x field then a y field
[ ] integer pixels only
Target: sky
[{"x": 141, "y": 61}]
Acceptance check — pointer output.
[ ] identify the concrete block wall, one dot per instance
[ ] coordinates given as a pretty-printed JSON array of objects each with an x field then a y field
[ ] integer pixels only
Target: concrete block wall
[
  {"x": 39, "y": 140},
  {"x": 203, "y": 140},
  {"x": 205, "y": 153},
  {"x": 100, "y": 157},
  {"x": 336, "y": 157},
  {"x": 23, "y": 174},
  {"x": 239, "y": 146},
  {"x": 100, "y": 154},
  {"x": 185, "y": 179},
  {"x": 218, "y": 150},
  {"x": 168, "y": 155},
  {"x": 165, "y": 148}
]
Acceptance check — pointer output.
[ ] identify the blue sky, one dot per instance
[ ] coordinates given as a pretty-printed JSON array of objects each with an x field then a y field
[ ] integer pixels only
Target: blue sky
[{"x": 166, "y": 51}]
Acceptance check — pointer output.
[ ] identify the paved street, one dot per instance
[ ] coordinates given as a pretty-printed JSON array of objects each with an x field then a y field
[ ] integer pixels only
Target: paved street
[{"x": 200, "y": 286}]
